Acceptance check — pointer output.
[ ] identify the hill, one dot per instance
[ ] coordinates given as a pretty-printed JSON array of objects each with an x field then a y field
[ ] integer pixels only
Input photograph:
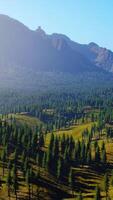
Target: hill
[{"x": 20, "y": 153}]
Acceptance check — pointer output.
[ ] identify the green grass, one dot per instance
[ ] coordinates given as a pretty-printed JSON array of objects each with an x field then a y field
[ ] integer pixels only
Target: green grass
[
  {"x": 26, "y": 119},
  {"x": 75, "y": 131}
]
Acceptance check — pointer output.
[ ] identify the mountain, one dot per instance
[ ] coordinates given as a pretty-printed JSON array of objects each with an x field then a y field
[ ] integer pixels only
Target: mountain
[
  {"x": 22, "y": 48},
  {"x": 31, "y": 57},
  {"x": 98, "y": 56}
]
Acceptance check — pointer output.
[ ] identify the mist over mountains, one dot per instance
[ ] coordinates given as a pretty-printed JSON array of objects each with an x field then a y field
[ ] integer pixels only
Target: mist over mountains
[{"x": 33, "y": 58}]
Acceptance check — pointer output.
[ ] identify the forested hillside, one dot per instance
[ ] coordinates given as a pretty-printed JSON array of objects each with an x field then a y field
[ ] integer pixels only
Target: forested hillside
[{"x": 57, "y": 146}]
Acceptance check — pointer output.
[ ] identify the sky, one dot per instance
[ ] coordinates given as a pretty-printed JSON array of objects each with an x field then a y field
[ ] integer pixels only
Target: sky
[{"x": 84, "y": 21}]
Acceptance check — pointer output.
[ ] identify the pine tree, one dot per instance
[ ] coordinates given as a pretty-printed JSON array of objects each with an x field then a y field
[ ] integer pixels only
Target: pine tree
[
  {"x": 92, "y": 117},
  {"x": 112, "y": 177},
  {"x": 97, "y": 155},
  {"x": 3, "y": 158},
  {"x": 51, "y": 142},
  {"x": 83, "y": 152},
  {"x": 104, "y": 158},
  {"x": 15, "y": 181},
  {"x": 38, "y": 190},
  {"x": 50, "y": 154},
  {"x": 0, "y": 183},
  {"x": 9, "y": 165},
  {"x": 103, "y": 146},
  {"x": 41, "y": 141},
  {"x": 80, "y": 196},
  {"x": 9, "y": 182},
  {"x": 106, "y": 184},
  {"x": 55, "y": 155},
  {"x": 95, "y": 144},
  {"x": 59, "y": 169},
  {"x": 77, "y": 152},
  {"x": 44, "y": 160},
  {"x": 26, "y": 166},
  {"x": 49, "y": 160},
  {"x": 31, "y": 178},
  {"x": 97, "y": 193},
  {"x": 63, "y": 143},
  {"x": 89, "y": 158},
  {"x": 71, "y": 180},
  {"x": 28, "y": 181}
]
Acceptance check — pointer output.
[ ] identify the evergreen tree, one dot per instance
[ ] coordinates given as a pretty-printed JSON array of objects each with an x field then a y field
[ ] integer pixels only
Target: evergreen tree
[
  {"x": 97, "y": 155},
  {"x": 59, "y": 169},
  {"x": 9, "y": 182},
  {"x": 63, "y": 143},
  {"x": 104, "y": 158},
  {"x": 3, "y": 158},
  {"x": 28, "y": 181},
  {"x": 80, "y": 196},
  {"x": 106, "y": 184},
  {"x": 83, "y": 152},
  {"x": 78, "y": 152},
  {"x": 112, "y": 178},
  {"x": 31, "y": 179},
  {"x": 89, "y": 158},
  {"x": 97, "y": 193},
  {"x": 71, "y": 180},
  {"x": 15, "y": 181},
  {"x": 103, "y": 146},
  {"x": 44, "y": 160}
]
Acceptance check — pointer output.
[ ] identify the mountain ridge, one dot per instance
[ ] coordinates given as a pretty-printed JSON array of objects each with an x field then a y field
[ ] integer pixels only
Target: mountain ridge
[
  {"x": 24, "y": 53},
  {"x": 99, "y": 56}
]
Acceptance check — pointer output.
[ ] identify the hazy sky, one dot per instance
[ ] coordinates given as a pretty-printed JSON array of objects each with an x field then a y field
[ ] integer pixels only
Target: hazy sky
[{"x": 82, "y": 20}]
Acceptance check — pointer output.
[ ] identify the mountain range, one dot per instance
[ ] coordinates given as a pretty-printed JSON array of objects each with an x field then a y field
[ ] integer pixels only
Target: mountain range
[{"x": 26, "y": 55}]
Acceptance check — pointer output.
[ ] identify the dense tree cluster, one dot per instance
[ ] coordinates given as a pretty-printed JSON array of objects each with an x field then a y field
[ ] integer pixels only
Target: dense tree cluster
[
  {"x": 60, "y": 109},
  {"x": 22, "y": 146},
  {"x": 24, "y": 151}
]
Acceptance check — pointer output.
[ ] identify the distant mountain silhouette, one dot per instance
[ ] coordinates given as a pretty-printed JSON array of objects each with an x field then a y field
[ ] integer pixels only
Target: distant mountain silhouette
[{"x": 25, "y": 53}]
